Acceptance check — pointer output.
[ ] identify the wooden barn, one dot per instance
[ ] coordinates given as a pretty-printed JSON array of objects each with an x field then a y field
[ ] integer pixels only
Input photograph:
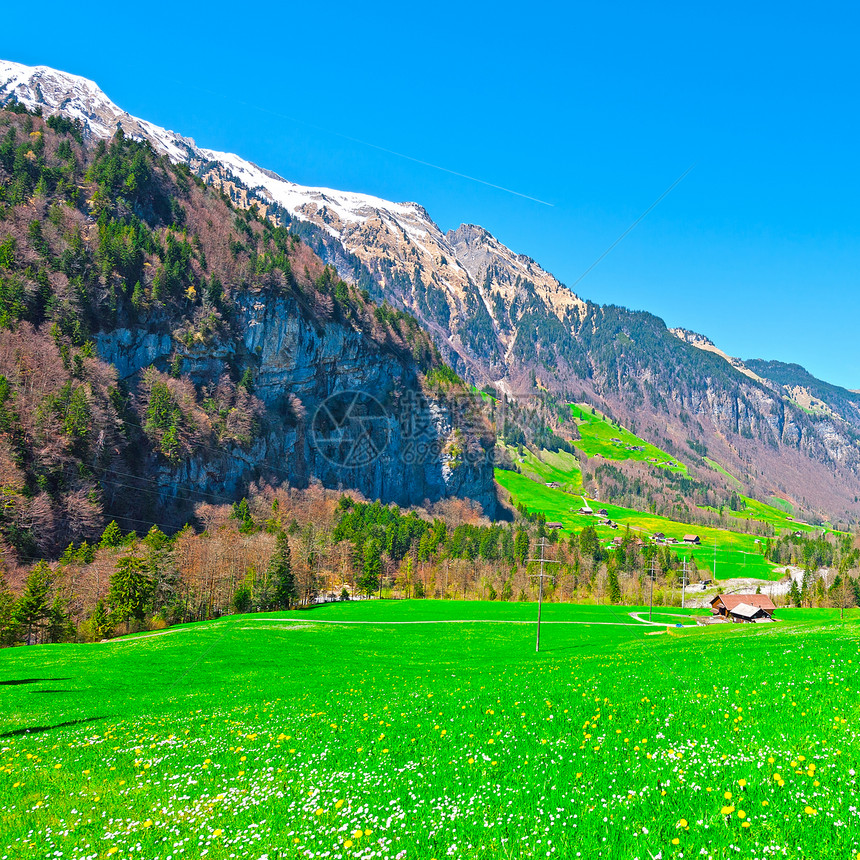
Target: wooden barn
[{"x": 743, "y": 608}]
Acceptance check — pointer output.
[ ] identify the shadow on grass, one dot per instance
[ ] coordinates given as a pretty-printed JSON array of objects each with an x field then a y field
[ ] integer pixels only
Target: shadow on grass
[
  {"x": 33, "y": 730},
  {"x": 18, "y": 681}
]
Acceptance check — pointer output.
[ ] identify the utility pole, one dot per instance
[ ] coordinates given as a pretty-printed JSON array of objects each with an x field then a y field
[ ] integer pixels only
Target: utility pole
[
  {"x": 652, "y": 575},
  {"x": 540, "y": 576},
  {"x": 684, "y": 584}
]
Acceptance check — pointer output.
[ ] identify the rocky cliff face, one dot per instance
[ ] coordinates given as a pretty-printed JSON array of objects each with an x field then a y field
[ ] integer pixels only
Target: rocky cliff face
[{"x": 337, "y": 410}]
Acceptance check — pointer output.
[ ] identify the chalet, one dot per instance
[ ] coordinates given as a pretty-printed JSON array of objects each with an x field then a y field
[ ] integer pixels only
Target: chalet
[
  {"x": 554, "y": 525},
  {"x": 553, "y": 485},
  {"x": 671, "y": 540},
  {"x": 743, "y": 608},
  {"x": 658, "y": 536},
  {"x": 692, "y": 539},
  {"x": 602, "y": 513},
  {"x": 586, "y": 512}
]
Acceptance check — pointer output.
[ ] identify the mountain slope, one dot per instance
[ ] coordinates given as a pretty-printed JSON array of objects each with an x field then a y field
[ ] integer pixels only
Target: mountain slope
[
  {"x": 498, "y": 318},
  {"x": 160, "y": 349}
]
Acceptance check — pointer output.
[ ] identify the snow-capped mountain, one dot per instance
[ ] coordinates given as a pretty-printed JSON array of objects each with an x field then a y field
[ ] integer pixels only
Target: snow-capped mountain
[
  {"x": 468, "y": 288},
  {"x": 499, "y": 317}
]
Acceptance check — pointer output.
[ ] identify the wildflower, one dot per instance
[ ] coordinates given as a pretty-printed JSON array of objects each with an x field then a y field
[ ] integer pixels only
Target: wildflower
[
  {"x": 348, "y": 843},
  {"x": 810, "y": 811},
  {"x": 741, "y": 814},
  {"x": 682, "y": 822},
  {"x": 218, "y": 832},
  {"x": 728, "y": 810}
]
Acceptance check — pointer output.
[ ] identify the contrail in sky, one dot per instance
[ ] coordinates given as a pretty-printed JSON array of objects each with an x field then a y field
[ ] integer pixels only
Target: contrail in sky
[
  {"x": 371, "y": 145},
  {"x": 627, "y": 231}
]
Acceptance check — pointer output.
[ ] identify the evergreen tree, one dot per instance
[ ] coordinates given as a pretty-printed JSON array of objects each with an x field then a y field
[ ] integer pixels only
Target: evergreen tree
[
  {"x": 521, "y": 546},
  {"x": 794, "y": 594},
  {"x": 130, "y": 589},
  {"x": 242, "y": 598},
  {"x": 612, "y": 586},
  {"x": 100, "y": 622},
  {"x": 60, "y": 627},
  {"x": 32, "y": 609},
  {"x": 111, "y": 536},
  {"x": 8, "y": 626},
  {"x": 371, "y": 570},
  {"x": 281, "y": 573}
]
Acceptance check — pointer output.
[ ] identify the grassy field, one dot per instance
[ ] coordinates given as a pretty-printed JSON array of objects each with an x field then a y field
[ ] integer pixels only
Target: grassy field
[
  {"x": 274, "y": 736},
  {"x": 597, "y": 433},
  {"x": 736, "y": 554},
  {"x": 549, "y": 467}
]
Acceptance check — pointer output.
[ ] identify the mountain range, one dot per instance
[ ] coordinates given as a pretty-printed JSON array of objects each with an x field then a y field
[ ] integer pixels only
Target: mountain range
[{"x": 504, "y": 323}]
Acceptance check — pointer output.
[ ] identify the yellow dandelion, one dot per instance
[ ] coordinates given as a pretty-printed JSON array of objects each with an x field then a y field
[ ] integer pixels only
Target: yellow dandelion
[
  {"x": 682, "y": 822},
  {"x": 728, "y": 810},
  {"x": 368, "y": 831},
  {"x": 727, "y": 795},
  {"x": 741, "y": 814},
  {"x": 676, "y": 841},
  {"x": 338, "y": 804},
  {"x": 218, "y": 832},
  {"x": 742, "y": 783},
  {"x": 810, "y": 811},
  {"x": 745, "y": 824},
  {"x": 348, "y": 843}
]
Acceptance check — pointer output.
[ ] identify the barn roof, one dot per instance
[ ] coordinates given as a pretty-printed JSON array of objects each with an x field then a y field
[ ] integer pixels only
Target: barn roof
[{"x": 746, "y": 611}]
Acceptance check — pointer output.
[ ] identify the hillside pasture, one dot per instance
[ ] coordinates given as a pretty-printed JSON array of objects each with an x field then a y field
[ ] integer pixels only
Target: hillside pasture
[
  {"x": 597, "y": 438},
  {"x": 736, "y": 554}
]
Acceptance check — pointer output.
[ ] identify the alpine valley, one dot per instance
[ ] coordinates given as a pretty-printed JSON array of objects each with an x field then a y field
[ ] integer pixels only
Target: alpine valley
[{"x": 225, "y": 293}]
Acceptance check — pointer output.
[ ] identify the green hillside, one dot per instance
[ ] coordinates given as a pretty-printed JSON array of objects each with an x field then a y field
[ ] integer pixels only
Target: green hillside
[
  {"x": 736, "y": 554},
  {"x": 273, "y": 735},
  {"x": 548, "y": 467},
  {"x": 613, "y": 442}
]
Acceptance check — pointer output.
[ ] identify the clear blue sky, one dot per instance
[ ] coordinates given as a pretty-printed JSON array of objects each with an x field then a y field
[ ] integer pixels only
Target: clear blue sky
[{"x": 596, "y": 108}]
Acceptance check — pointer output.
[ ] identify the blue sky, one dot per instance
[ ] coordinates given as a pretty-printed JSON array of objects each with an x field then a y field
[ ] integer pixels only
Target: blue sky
[{"x": 595, "y": 108}]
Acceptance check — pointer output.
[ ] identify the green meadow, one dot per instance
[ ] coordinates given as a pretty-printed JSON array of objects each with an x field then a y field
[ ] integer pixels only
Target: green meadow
[
  {"x": 598, "y": 432},
  {"x": 548, "y": 467},
  {"x": 735, "y": 555},
  {"x": 341, "y": 733}
]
